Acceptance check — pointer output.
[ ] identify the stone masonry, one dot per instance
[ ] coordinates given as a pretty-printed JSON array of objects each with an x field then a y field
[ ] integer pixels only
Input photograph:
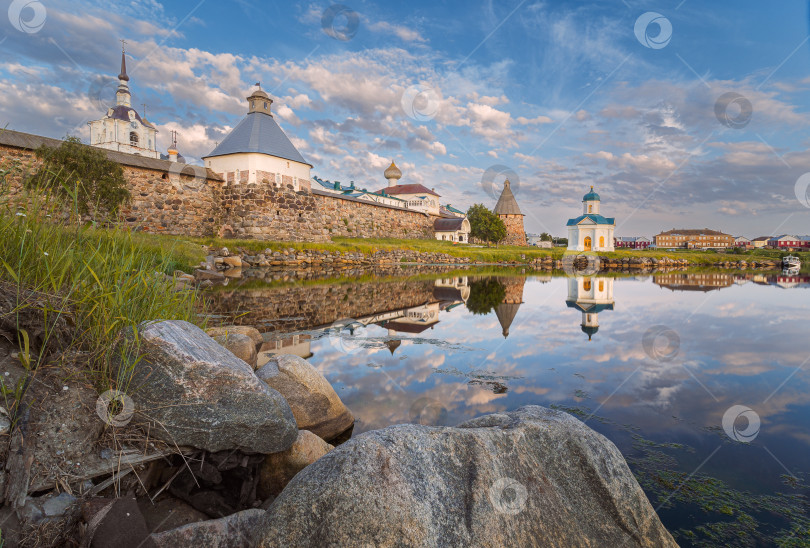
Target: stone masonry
[{"x": 180, "y": 199}]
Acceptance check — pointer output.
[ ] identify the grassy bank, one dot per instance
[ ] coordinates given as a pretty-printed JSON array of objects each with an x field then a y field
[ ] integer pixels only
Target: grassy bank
[
  {"x": 475, "y": 253},
  {"x": 71, "y": 290}
]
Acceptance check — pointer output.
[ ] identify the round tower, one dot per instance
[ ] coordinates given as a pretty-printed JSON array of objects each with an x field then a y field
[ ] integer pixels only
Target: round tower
[{"x": 509, "y": 212}]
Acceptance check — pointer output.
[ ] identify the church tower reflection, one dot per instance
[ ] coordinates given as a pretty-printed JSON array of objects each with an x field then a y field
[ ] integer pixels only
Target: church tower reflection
[{"x": 590, "y": 295}]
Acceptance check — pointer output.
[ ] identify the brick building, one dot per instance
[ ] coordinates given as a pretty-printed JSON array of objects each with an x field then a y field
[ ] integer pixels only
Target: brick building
[{"x": 691, "y": 238}]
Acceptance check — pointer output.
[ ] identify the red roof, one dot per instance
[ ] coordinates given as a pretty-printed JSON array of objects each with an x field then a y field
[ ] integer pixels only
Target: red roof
[{"x": 406, "y": 189}]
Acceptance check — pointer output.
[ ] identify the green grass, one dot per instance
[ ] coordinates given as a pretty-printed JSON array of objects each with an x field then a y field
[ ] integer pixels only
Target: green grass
[
  {"x": 475, "y": 253},
  {"x": 98, "y": 282}
]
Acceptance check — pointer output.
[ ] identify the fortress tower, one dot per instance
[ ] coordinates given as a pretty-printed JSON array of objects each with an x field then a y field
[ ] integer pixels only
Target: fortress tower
[{"x": 509, "y": 212}]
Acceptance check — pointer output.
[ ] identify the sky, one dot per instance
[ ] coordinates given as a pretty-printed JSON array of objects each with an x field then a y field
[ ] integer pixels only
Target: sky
[{"x": 681, "y": 113}]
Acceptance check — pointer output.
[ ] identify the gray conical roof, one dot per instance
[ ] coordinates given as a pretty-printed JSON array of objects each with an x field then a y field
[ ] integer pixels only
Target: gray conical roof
[
  {"x": 506, "y": 313},
  {"x": 258, "y": 132},
  {"x": 507, "y": 205}
]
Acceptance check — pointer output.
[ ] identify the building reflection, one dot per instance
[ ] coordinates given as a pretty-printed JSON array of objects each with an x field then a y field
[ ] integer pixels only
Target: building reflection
[
  {"x": 508, "y": 308},
  {"x": 590, "y": 295},
  {"x": 703, "y": 281},
  {"x": 447, "y": 294},
  {"x": 298, "y": 344}
]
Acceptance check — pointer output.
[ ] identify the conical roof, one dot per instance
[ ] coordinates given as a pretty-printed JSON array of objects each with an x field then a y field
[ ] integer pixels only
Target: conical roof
[
  {"x": 506, "y": 313},
  {"x": 507, "y": 205}
]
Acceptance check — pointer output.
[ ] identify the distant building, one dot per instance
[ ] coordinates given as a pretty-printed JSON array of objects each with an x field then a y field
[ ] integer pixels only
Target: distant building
[
  {"x": 786, "y": 241},
  {"x": 258, "y": 151},
  {"x": 450, "y": 211},
  {"x": 633, "y": 242},
  {"x": 590, "y": 296},
  {"x": 689, "y": 238},
  {"x": 591, "y": 231},
  {"x": 508, "y": 211},
  {"x": 122, "y": 129},
  {"x": 454, "y": 229},
  {"x": 742, "y": 241},
  {"x": 760, "y": 242},
  {"x": 416, "y": 196}
]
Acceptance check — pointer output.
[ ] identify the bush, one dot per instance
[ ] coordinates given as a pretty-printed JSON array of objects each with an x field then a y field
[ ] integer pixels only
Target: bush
[{"x": 83, "y": 174}]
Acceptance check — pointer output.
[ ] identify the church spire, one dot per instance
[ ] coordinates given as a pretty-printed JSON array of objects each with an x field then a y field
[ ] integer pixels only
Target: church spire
[
  {"x": 122, "y": 95},
  {"x": 123, "y": 76}
]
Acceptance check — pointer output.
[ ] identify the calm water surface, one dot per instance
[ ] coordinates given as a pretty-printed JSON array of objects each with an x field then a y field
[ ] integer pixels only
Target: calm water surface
[{"x": 652, "y": 362}]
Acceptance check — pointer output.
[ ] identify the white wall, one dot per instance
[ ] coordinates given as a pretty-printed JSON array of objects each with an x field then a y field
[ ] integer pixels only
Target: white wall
[
  {"x": 577, "y": 235},
  {"x": 253, "y": 162}
]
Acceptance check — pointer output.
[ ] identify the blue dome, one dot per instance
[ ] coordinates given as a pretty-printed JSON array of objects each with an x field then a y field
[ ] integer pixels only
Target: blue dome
[{"x": 591, "y": 197}]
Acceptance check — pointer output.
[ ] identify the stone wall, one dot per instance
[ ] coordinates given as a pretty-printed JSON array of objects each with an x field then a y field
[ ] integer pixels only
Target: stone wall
[
  {"x": 268, "y": 212},
  {"x": 167, "y": 197},
  {"x": 180, "y": 199},
  {"x": 287, "y": 309},
  {"x": 515, "y": 234}
]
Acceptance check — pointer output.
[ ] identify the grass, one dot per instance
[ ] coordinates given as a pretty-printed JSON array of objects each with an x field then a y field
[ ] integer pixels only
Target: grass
[
  {"x": 475, "y": 253},
  {"x": 75, "y": 287}
]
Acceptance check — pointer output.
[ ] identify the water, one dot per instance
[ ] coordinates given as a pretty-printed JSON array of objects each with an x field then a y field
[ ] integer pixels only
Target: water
[{"x": 652, "y": 362}]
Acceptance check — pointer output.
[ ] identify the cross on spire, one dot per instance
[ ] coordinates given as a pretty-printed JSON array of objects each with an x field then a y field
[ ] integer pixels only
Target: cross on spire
[
  {"x": 144, "y": 109},
  {"x": 123, "y": 45}
]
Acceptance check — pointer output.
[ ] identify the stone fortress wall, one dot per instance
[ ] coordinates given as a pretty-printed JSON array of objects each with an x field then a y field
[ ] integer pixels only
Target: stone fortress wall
[{"x": 179, "y": 199}]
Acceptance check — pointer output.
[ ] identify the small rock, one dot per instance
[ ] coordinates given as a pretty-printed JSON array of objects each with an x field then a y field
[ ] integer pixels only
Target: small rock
[
  {"x": 251, "y": 332},
  {"x": 209, "y": 275},
  {"x": 233, "y": 261},
  {"x": 234, "y": 531},
  {"x": 242, "y": 347},
  {"x": 279, "y": 468},
  {"x": 315, "y": 404}
]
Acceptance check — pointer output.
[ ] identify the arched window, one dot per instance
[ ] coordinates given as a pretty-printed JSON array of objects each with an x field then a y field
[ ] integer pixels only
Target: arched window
[
  {"x": 133, "y": 138},
  {"x": 586, "y": 285},
  {"x": 265, "y": 105},
  {"x": 601, "y": 285},
  {"x": 601, "y": 241},
  {"x": 590, "y": 209},
  {"x": 588, "y": 243}
]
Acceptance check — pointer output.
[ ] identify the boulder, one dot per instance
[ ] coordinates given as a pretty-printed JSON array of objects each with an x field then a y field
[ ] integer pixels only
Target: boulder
[
  {"x": 234, "y": 531},
  {"x": 532, "y": 477},
  {"x": 194, "y": 392},
  {"x": 279, "y": 468},
  {"x": 314, "y": 403},
  {"x": 233, "y": 261},
  {"x": 251, "y": 332},
  {"x": 241, "y": 346}
]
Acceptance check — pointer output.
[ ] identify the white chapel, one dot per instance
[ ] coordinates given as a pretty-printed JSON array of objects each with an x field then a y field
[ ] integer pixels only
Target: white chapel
[
  {"x": 591, "y": 231},
  {"x": 590, "y": 295}
]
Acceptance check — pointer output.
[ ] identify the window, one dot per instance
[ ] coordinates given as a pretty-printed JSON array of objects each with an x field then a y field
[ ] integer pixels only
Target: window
[
  {"x": 601, "y": 241},
  {"x": 253, "y": 104},
  {"x": 590, "y": 209},
  {"x": 265, "y": 105},
  {"x": 601, "y": 285},
  {"x": 587, "y": 285},
  {"x": 133, "y": 138}
]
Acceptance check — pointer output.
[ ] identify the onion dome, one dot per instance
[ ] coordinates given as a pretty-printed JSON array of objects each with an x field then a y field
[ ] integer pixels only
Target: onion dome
[
  {"x": 591, "y": 196},
  {"x": 393, "y": 172}
]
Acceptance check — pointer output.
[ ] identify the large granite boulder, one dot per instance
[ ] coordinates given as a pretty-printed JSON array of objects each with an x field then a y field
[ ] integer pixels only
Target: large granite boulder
[
  {"x": 279, "y": 468},
  {"x": 315, "y": 404},
  {"x": 195, "y": 392},
  {"x": 532, "y": 477}
]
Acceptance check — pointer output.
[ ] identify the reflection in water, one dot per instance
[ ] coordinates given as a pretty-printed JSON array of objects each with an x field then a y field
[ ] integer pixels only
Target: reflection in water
[
  {"x": 434, "y": 351},
  {"x": 590, "y": 296}
]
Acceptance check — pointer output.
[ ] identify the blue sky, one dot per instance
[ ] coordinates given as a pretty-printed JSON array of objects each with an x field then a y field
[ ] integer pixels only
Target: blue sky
[{"x": 561, "y": 94}]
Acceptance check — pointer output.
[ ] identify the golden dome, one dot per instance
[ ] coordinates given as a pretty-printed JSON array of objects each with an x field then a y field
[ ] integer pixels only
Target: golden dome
[{"x": 393, "y": 172}]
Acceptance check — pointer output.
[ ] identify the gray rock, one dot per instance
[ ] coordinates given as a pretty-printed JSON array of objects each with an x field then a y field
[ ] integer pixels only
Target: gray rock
[
  {"x": 532, "y": 477},
  {"x": 234, "y": 531},
  {"x": 194, "y": 392},
  {"x": 279, "y": 468},
  {"x": 251, "y": 332},
  {"x": 46, "y": 508},
  {"x": 209, "y": 275},
  {"x": 315, "y": 404},
  {"x": 241, "y": 346}
]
